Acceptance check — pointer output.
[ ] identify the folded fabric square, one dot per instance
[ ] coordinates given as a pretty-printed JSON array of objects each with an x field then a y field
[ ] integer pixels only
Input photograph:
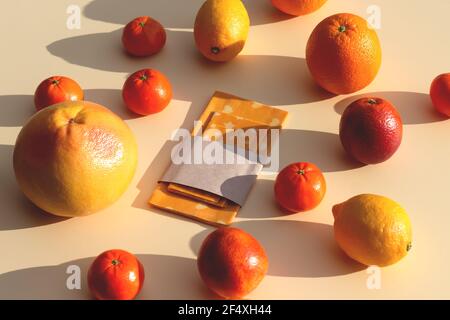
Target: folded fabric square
[{"x": 224, "y": 112}]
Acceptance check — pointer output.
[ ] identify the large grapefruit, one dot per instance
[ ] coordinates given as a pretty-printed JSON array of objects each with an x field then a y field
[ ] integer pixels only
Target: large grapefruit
[{"x": 74, "y": 158}]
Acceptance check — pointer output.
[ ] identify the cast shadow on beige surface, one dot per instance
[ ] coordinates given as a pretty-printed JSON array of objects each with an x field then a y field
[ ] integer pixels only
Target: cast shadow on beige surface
[
  {"x": 274, "y": 80},
  {"x": 172, "y": 13},
  {"x": 16, "y": 109},
  {"x": 111, "y": 99},
  {"x": 16, "y": 211},
  {"x": 295, "y": 248},
  {"x": 322, "y": 148},
  {"x": 414, "y": 107},
  {"x": 166, "y": 277}
]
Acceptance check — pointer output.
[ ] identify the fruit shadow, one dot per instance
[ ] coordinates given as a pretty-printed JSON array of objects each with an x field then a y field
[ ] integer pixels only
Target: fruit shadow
[
  {"x": 166, "y": 277},
  {"x": 295, "y": 248},
  {"x": 322, "y": 148},
  {"x": 16, "y": 211},
  {"x": 274, "y": 80},
  {"x": 112, "y": 99},
  {"x": 414, "y": 107},
  {"x": 177, "y": 14},
  {"x": 17, "y": 109}
]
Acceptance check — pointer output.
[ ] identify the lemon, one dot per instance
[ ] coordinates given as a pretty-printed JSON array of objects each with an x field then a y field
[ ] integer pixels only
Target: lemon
[
  {"x": 221, "y": 29},
  {"x": 372, "y": 229}
]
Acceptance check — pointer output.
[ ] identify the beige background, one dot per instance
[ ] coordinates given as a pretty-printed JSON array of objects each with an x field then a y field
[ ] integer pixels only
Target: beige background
[{"x": 304, "y": 261}]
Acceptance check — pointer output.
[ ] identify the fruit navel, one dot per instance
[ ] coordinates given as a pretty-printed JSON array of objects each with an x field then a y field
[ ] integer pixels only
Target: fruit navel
[{"x": 115, "y": 262}]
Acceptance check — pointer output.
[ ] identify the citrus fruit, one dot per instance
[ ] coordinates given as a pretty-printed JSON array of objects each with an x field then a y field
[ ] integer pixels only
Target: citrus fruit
[
  {"x": 74, "y": 158},
  {"x": 343, "y": 54},
  {"x": 231, "y": 262},
  {"x": 147, "y": 91},
  {"x": 116, "y": 275},
  {"x": 300, "y": 187},
  {"x": 440, "y": 93},
  {"x": 57, "y": 89},
  {"x": 372, "y": 229},
  {"x": 143, "y": 36},
  {"x": 371, "y": 130},
  {"x": 298, "y": 7},
  {"x": 221, "y": 29}
]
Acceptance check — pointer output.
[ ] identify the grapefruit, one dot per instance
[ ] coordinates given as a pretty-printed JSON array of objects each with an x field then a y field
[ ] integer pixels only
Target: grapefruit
[{"x": 74, "y": 158}]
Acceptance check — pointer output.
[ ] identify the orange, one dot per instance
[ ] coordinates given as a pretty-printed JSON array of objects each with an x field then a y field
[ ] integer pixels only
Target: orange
[
  {"x": 343, "y": 54},
  {"x": 298, "y": 7},
  {"x": 74, "y": 158},
  {"x": 440, "y": 93},
  {"x": 371, "y": 130},
  {"x": 232, "y": 263}
]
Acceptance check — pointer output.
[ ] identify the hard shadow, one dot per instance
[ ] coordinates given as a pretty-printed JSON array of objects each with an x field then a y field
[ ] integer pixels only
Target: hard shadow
[
  {"x": 111, "y": 99},
  {"x": 261, "y": 202},
  {"x": 16, "y": 109},
  {"x": 414, "y": 107},
  {"x": 16, "y": 211},
  {"x": 166, "y": 277},
  {"x": 295, "y": 248},
  {"x": 321, "y": 148},
  {"x": 173, "y": 13},
  {"x": 274, "y": 80}
]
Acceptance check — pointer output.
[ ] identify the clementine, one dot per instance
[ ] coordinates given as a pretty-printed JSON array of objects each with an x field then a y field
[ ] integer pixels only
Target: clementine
[
  {"x": 143, "y": 37},
  {"x": 74, "y": 158},
  {"x": 300, "y": 187},
  {"x": 57, "y": 89},
  {"x": 343, "y": 54},
  {"x": 116, "y": 275},
  {"x": 298, "y": 7}
]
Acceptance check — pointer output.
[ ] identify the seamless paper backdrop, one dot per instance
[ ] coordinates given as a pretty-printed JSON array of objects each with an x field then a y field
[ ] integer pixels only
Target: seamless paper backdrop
[{"x": 304, "y": 261}]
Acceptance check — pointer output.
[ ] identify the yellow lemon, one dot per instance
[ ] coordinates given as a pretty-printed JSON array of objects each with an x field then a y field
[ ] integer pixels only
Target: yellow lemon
[
  {"x": 373, "y": 230},
  {"x": 221, "y": 29}
]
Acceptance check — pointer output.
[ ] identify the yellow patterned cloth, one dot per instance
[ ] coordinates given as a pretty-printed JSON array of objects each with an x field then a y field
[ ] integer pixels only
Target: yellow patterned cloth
[{"x": 224, "y": 112}]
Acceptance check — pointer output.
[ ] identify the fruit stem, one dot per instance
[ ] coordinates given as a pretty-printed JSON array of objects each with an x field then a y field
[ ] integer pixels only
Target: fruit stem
[
  {"x": 342, "y": 28},
  {"x": 142, "y": 24},
  {"x": 408, "y": 246},
  {"x": 215, "y": 50},
  {"x": 55, "y": 82},
  {"x": 372, "y": 101},
  {"x": 301, "y": 172},
  {"x": 144, "y": 77}
]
